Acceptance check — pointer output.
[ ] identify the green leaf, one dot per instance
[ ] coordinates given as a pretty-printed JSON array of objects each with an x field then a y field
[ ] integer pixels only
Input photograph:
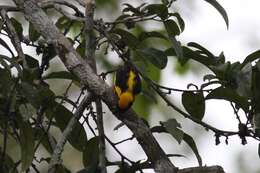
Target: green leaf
[
  {"x": 63, "y": 22},
  {"x": 13, "y": 63},
  {"x": 256, "y": 98},
  {"x": 125, "y": 168},
  {"x": 189, "y": 140},
  {"x": 148, "y": 69},
  {"x": 127, "y": 37},
  {"x": 40, "y": 134},
  {"x": 61, "y": 169},
  {"x": 84, "y": 171},
  {"x": 201, "y": 48},
  {"x": 157, "y": 57},
  {"x": 144, "y": 101},
  {"x": 222, "y": 71},
  {"x": 130, "y": 8},
  {"x": 46, "y": 96},
  {"x": 76, "y": 29},
  {"x": 166, "y": 2},
  {"x": 32, "y": 70},
  {"x": 109, "y": 4},
  {"x": 5, "y": 64},
  {"x": 171, "y": 27},
  {"x": 6, "y": 82},
  {"x": 41, "y": 96},
  {"x": 229, "y": 95},
  {"x": 160, "y": 9},
  {"x": 209, "y": 77},
  {"x": 172, "y": 126},
  {"x": 61, "y": 75},
  {"x": 81, "y": 48},
  {"x": 220, "y": 9},
  {"x": 18, "y": 27},
  {"x": 78, "y": 137},
  {"x": 27, "y": 144},
  {"x": 30, "y": 94},
  {"x": 256, "y": 92},
  {"x": 190, "y": 54},
  {"x": 27, "y": 111},
  {"x": 34, "y": 35},
  {"x": 181, "y": 69},
  {"x": 194, "y": 103},
  {"x": 145, "y": 35},
  {"x": 258, "y": 65},
  {"x": 31, "y": 62},
  {"x": 9, "y": 165},
  {"x": 91, "y": 154},
  {"x": 180, "y": 20},
  {"x": 250, "y": 58}
]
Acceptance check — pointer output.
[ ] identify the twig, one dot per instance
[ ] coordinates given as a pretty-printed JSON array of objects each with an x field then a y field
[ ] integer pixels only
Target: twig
[
  {"x": 51, "y": 3},
  {"x": 111, "y": 143},
  {"x": 128, "y": 139},
  {"x": 117, "y": 150},
  {"x": 134, "y": 19},
  {"x": 103, "y": 75},
  {"x": 55, "y": 159},
  {"x": 68, "y": 15},
  {"x": 35, "y": 168},
  {"x": 86, "y": 120},
  {"x": 235, "y": 112},
  {"x": 14, "y": 38},
  {"x": 176, "y": 89},
  {"x": 207, "y": 126},
  {"x": 78, "y": 99},
  {"x": 9, "y": 8}
]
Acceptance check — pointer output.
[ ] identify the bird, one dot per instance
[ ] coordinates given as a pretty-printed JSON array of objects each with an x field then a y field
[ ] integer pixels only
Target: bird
[{"x": 127, "y": 85}]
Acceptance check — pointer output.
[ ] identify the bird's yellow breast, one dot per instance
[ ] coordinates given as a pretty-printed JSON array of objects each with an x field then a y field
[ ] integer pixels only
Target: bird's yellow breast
[
  {"x": 125, "y": 100},
  {"x": 131, "y": 80}
]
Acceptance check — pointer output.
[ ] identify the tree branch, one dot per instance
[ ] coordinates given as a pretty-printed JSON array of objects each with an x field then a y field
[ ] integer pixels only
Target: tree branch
[
  {"x": 14, "y": 38},
  {"x": 206, "y": 169},
  {"x": 55, "y": 159},
  {"x": 90, "y": 49},
  {"x": 94, "y": 84}
]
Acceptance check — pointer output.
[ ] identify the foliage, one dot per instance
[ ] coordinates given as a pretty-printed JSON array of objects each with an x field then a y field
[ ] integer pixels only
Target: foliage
[{"x": 30, "y": 109}]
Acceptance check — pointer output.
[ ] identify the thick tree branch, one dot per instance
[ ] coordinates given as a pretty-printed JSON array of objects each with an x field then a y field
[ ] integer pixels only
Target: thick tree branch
[{"x": 94, "y": 84}]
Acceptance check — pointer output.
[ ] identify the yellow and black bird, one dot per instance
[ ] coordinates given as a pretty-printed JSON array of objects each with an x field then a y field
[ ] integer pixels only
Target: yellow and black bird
[{"x": 127, "y": 86}]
